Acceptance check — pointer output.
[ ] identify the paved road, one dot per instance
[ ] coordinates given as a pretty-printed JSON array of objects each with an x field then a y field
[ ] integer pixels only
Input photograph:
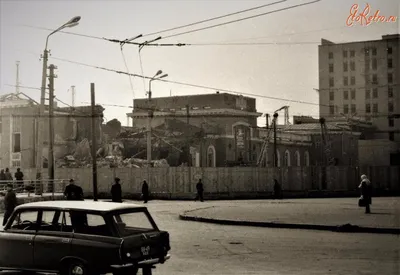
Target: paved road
[{"x": 200, "y": 248}]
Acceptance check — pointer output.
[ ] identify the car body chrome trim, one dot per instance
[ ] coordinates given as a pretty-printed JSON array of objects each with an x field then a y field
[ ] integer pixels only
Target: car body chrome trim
[{"x": 145, "y": 262}]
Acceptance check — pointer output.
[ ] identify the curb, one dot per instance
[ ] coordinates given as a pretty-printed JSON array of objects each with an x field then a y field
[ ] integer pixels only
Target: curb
[{"x": 346, "y": 228}]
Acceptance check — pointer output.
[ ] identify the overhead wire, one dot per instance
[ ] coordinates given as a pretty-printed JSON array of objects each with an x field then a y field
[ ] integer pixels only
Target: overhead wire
[
  {"x": 214, "y": 18},
  {"x": 241, "y": 19}
]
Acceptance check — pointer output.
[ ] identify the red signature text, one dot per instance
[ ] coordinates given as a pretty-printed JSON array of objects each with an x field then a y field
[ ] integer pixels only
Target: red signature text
[{"x": 364, "y": 18}]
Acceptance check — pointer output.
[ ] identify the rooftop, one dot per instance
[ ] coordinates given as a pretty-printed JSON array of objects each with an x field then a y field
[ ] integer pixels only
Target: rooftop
[{"x": 81, "y": 205}]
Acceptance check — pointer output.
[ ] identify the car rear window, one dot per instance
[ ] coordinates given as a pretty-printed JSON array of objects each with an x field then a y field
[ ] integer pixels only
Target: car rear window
[{"x": 132, "y": 223}]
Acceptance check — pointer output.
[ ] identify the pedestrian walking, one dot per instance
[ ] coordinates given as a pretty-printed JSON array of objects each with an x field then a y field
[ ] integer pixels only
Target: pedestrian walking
[
  {"x": 10, "y": 202},
  {"x": 366, "y": 194},
  {"x": 19, "y": 177},
  {"x": 277, "y": 190},
  {"x": 116, "y": 191},
  {"x": 73, "y": 192},
  {"x": 145, "y": 192},
  {"x": 200, "y": 191},
  {"x": 8, "y": 175}
]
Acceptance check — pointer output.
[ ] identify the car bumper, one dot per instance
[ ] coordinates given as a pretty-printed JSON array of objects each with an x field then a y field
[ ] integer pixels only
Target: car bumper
[{"x": 142, "y": 263}]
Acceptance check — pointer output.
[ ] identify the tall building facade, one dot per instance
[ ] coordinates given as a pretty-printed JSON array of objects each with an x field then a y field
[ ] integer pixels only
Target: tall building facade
[{"x": 361, "y": 79}]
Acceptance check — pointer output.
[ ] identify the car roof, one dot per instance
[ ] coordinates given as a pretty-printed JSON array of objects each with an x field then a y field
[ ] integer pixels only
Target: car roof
[{"x": 99, "y": 206}]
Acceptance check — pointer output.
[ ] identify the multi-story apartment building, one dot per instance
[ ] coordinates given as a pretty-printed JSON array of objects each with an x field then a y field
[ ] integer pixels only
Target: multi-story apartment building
[{"x": 361, "y": 79}]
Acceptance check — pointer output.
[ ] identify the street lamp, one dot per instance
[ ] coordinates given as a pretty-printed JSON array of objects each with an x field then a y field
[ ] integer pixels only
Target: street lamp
[
  {"x": 157, "y": 76},
  {"x": 39, "y": 163}
]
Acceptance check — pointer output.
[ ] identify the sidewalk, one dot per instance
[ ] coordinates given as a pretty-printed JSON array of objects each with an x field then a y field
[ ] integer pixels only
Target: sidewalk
[{"x": 341, "y": 214}]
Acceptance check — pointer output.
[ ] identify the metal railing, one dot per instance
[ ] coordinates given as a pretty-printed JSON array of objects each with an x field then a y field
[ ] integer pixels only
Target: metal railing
[{"x": 36, "y": 187}]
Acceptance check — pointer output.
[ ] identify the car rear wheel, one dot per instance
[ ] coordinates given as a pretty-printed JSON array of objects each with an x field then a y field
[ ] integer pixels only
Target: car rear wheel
[{"x": 74, "y": 268}]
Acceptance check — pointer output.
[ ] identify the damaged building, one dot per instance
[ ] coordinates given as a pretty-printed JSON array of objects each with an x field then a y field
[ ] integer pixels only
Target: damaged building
[{"x": 18, "y": 132}]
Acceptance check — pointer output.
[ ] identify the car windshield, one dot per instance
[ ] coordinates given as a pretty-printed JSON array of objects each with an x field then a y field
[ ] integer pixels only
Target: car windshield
[{"x": 132, "y": 223}]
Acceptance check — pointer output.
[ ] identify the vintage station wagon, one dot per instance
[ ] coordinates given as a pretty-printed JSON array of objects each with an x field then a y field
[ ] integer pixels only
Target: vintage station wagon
[{"x": 82, "y": 237}]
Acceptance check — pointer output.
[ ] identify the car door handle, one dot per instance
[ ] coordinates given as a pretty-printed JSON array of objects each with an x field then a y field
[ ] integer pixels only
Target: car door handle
[{"x": 30, "y": 239}]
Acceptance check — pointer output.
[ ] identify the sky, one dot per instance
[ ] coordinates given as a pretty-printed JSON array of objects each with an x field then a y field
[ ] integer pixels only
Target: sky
[{"x": 284, "y": 67}]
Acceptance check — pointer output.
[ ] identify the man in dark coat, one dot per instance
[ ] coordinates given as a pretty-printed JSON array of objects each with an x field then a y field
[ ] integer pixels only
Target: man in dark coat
[
  {"x": 10, "y": 202},
  {"x": 277, "y": 190},
  {"x": 145, "y": 192},
  {"x": 200, "y": 191},
  {"x": 366, "y": 192},
  {"x": 73, "y": 192},
  {"x": 19, "y": 177},
  {"x": 2, "y": 176},
  {"x": 116, "y": 191}
]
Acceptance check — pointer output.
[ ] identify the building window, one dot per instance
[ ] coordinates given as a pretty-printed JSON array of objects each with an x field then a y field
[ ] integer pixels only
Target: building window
[
  {"x": 346, "y": 108},
  {"x": 390, "y": 50},
  {"x": 391, "y": 122},
  {"x": 345, "y": 67},
  {"x": 390, "y": 63},
  {"x": 331, "y": 68},
  {"x": 375, "y": 92},
  {"x": 390, "y": 107},
  {"x": 375, "y": 108},
  {"x": 344, "y": 53},
  {"x": 345, "y": 81},
  {"x": 368, "y": 94},
  {"x": 366, "y": 51},
  {"x": 353, "y": 108},
  {"x": 297, "y": 158},
  {"x": 330, "y": 55},
  {"x": 352, "y": 53},
  {"x": 368, "y": 108},
  {"x": 306, "y": 158},
  {"x": 331, "y": 95},
  {"x": 390, "y": 78},
  {"x": 211, "y": 156},
  {"x": 353, "y": 94},
  {"x": 353, "y": 80},
  {"x": 16, "y": 145},
  {"x": 390, "y": 92},
  {"x": 287, "y": 158},
  {"x": 374, "y": 79},
  {"x": 331, "y": 109},
  {"x": 391, "y": 136},
  {"x": 352, "y": 66},
  {"x": 374, "y": 64},
  {"x": 373, "y": 51},
  {"x": 346, "y": 94},
  {"x": 331, "y": 82}
]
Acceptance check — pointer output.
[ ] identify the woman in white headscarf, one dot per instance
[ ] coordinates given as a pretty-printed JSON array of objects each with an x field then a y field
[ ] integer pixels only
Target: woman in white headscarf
[{"x": 366, "y": 192}]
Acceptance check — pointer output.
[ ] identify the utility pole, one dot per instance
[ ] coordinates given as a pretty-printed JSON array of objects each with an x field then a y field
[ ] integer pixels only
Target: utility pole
[
  {"x": 275, "y": 150},
  {"x": 40, "y": 124},
  {"x": 189, "y": 158},
  {"x": 73, "y": 95},
  {"x": 94, "y": 141},
  {"x": 267, "y": 121},
  {"x": 50, "y": 184}
]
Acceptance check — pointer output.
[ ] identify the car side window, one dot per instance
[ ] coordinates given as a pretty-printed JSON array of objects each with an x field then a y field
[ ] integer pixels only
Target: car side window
[
  {"x": 25, "y": 220},
  {"x": 90, "y": 224}
]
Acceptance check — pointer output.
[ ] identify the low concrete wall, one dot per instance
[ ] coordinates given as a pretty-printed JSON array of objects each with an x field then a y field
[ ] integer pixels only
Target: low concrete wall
[{"x": 23, "y": 198}]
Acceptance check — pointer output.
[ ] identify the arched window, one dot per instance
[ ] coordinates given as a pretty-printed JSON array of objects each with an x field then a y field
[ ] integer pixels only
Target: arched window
[
  {"x": 287, "y": 158},
  {"x": 211, "y": 156},
  {"x": 306, "y": 158},
  {"x": 278, "y": 157},
  {"x": 297, "y": 158}
]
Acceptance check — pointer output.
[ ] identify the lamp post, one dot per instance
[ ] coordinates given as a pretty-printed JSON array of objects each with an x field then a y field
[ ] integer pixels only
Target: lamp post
[
  {"x": 39, "y": 163},
  {"x": 157, "y": 76}
]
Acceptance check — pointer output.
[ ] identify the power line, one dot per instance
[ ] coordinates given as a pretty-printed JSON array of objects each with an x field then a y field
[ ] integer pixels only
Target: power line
[
  {"x": 215, "y": 18},
  {"x": 241, "y": 19}
]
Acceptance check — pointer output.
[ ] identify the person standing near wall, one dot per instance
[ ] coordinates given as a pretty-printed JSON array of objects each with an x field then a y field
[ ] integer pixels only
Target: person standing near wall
[
  {"x": 200, "y": 191},
  {"x": 73, "y": 192},
  {"x": 145, "y": 192},
  {"x": 116, "y": 191},
  {"x": 10, "y": 202},
  {"x": 19, "y": 177},
  {"x": 8, "y": 175},
  {"x": 366, "y": 193}
]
